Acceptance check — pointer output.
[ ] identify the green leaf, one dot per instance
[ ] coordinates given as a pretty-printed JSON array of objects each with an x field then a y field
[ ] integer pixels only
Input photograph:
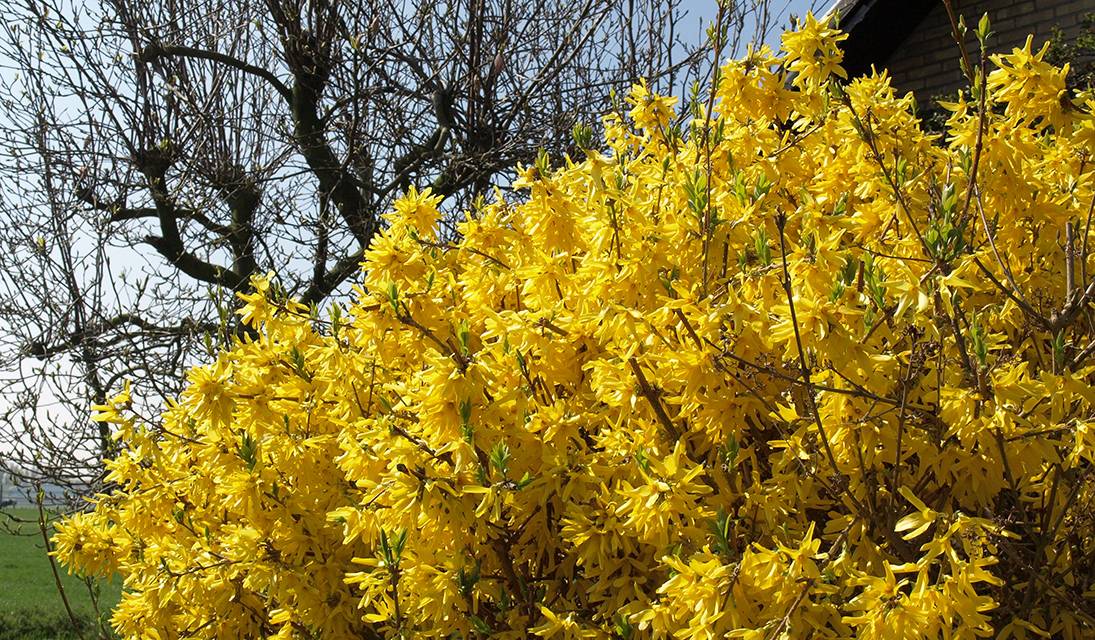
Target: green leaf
[
  {"x": 499, "y": 457},
  {"x": 525, "y": 481},
  {"x": 543, "y": 163},
  {"x": 481, "y": 626},
  {"x": 623, "y": 627},
  {"x": 466, "y": 580},
  {"x": 465, "y": 412},
  {"x": 336, "y": 319},
  {"x": 583, "y": 136},
  {"x": 764, "y": 251},
  {"x": 392, "y": 548},
  {"x": 983, "y": 29},
  {"x": 949, "y": 199},
  {"x": 762, "y": 187},
  {"x": 248, "y": 450},
  {"x": 977, "y": 341},
  {"x": 731, "y": 451},
  {"x": 296, "y": 358},
  {"x": 720, "y": 529},
  {"x": 393, "y": 297},
  {"x": 463, "y": 336}
]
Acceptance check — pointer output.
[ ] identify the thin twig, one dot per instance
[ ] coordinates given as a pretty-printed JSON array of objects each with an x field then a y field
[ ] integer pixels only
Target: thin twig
[
  {"x": 781, "y": 222},
  {"x": 651, "y": 396},
  {"x": 868, "y": 136},
  {"x": 707, "y": 226},
  {"x": 53, "y": 566},
  {"x": 791, "y": 611},
  {"x": 901, "y": 428},
  {"x": 967, "y": 68},
  {"x": 971, "y": 186}
]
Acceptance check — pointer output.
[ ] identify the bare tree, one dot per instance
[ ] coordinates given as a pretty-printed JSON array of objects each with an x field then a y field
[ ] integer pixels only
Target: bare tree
[{"x": 159, "y": 153}]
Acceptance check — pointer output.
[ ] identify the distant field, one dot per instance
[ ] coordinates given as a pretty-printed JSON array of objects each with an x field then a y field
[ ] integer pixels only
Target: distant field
[{"x": 30, "y": 607}]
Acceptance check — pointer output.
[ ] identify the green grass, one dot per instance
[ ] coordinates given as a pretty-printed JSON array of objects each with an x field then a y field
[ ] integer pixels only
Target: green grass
[{"x": 30, "y": 606}]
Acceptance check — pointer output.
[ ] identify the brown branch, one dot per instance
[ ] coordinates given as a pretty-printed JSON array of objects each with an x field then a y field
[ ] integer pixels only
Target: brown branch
[
  {"x": 967, "y": 68},
  {"x": 781, "y": 223},
  {"x": 651, "y": 395},
  {"x": 53, "y": 566},
  {"x": 154, "y": 165},
  {"x": 1012, "y": 295},
  {"x": 979, "y": 144},
  {"x": 193, "y": 266},
  {"x": 451, "y": 247},
  {"x": 333, "y": 277},
  {"x": 78, "y": 338},
  {"x": 868, "y": 136},
  {"x": 896, "y": 485},
  {"x": 118, "y": 212},
  {"x": 445, "y": 348},
  {"x": 786, "y": 619},
  {"x": 157, "y": 51}
]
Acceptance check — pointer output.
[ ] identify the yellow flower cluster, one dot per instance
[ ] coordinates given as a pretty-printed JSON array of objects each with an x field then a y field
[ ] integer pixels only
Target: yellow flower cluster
[{"x": 792, "y": 369}]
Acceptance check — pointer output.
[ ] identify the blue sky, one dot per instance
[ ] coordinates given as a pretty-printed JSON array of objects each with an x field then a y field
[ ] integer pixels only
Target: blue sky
[{"x": 781, "y": 11}]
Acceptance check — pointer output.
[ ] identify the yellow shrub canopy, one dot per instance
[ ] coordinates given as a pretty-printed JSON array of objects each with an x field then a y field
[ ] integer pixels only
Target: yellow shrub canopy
[{"x": 791, "y": 368}]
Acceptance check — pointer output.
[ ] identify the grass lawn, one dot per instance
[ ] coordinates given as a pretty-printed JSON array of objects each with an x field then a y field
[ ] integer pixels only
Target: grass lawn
[{"x": 30, "y": 607}]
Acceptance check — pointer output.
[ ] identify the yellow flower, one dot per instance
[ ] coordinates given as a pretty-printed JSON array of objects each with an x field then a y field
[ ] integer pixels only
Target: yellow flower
[
  {"x": 918, "y": 522},
  {"x": 813, "y": 52},
  {"x": 695, "y": 391},
  {"x": 417, "y": 210},
  {"x": 650, "y": 112},
  {"x": 256, "y": 308},
  {"x": 1030, "y": 85}
]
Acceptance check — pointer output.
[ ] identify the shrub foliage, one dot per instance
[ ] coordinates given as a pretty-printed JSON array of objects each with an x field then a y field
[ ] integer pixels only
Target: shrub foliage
[{"x": 783, "y": 366}]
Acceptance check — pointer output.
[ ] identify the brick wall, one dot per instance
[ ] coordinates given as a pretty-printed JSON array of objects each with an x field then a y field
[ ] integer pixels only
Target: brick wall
[{"x": 927, "y": 62}]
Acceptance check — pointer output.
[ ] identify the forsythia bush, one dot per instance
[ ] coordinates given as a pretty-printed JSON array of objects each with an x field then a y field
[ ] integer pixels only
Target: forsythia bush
[{"x": 793, "y": 369}]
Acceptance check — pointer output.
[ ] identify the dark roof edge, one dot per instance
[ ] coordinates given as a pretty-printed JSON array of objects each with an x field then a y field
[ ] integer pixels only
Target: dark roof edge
[
  {"x": 849, "y": 12},
  {"x": 875, "y": 28}
]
